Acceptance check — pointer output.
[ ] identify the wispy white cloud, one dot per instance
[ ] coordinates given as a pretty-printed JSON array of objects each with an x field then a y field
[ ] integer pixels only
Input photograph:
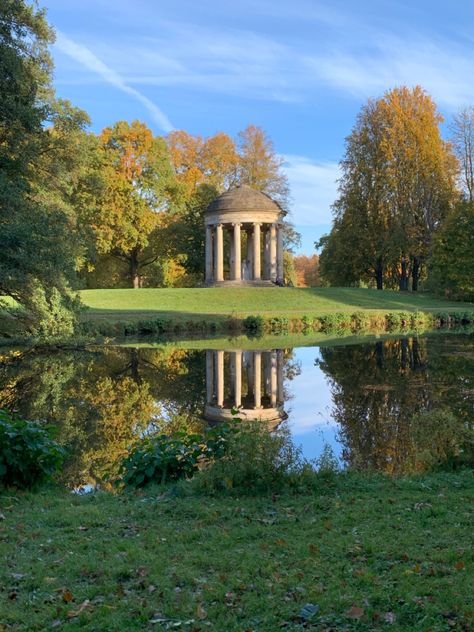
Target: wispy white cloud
[
  {"x": 89, "y": 60},
  {"x": 313, "y": 188},
  {"x": 440, "y": 66},
  {"x": 253, "y": 55},
  {"x": 227, "y": 61},
  {"x": 361, "y": 60}
]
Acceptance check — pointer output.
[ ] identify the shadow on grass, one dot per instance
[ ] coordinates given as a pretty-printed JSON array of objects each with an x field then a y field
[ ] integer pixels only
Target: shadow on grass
[{"x": 364, "y": 298}]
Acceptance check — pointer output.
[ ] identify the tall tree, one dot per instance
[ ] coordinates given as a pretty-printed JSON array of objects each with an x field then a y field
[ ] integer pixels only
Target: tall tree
[
  {"x": 260, "y": 167},
  {"x": 185, "y": 151},
  {"x": 462, "y": 137},
  {"x": 452, "y": 262},
  {"x": 359, "y": 245},
  {"x": 38, "y": 255},
  {"x": 136, "y": 198},
  {"x": 398, "y": 183},
  {"x": 421, "y": 175},
  {"x": 307, "y": 271},
  {"x": 219, "y": 161}
]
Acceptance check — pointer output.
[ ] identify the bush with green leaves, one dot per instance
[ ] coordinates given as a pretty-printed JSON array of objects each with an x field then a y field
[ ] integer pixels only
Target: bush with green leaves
[
  {"x": 337, "y": 322},
  {"x": 360, "y": 321},
  {"x": 277, "y": 325},
  {"x": 254, "y": 324},
  {"x": 256, "y": 460},
  {"x": 161, "y": 458},
  {"x": 440, "y": 441},
  {"x": 29, "y": 455}
]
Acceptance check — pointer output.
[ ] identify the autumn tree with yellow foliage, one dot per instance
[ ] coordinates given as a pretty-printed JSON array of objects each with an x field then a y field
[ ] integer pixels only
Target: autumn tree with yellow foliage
[
  {"x": 134, "y": 198},
  {"x": 398, "y": 184}
]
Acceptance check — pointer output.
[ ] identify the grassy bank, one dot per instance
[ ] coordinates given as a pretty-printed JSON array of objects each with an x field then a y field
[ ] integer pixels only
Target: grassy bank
[
  {"x": 371, "y": 553},
  {"x": 242, "y": 302},
  {"x": 264, "y": 310}
]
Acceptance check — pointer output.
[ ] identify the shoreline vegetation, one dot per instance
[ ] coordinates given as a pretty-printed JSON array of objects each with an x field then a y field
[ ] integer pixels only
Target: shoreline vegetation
[{"x": 114, "y": 315}]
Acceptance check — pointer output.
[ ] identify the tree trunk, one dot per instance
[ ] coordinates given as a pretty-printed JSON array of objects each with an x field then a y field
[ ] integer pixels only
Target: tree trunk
[
  {"x": 404, "y": 353},
  {"x": 379, "y": 354},
  {"x": 134, "y": 365},
  {"x": 403, "y": 281},
  {"x": 415, "y": 274},
  {"x": 134, "y": 277},
  {"x": 379, "y": 274}
]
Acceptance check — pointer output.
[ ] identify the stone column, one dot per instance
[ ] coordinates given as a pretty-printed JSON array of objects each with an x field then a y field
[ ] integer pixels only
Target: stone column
[
  {"x": 266, "y": 253},
  {"x": 273, "y": 379},
  {"x": 236, "y": 273},
  {"x": 257, "y": 379},
  {"x": 208, "y": 254},
  {"x": 280, "y": 362},
  {"x": 238, "y": 378},
  {"x": 250, "y": 254},
  {"x": 280, "y": 253},
  {"x": 250, "y": 356},
  {"x": 220, "y": 378},
  {"x": 209, "y": 376},
  {"x": 256, "y": 252},
  {"x": 231, "y": 254},
  {"x": 219, "y": 261},
  {"x": 273, "y": 253},
  {"x": 266, "y": 373}
]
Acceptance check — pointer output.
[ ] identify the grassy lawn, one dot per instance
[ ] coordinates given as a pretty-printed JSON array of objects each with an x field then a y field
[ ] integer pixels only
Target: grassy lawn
[
  {"x": 239, "y": 302},
  {"x": 372, "y": 553}
]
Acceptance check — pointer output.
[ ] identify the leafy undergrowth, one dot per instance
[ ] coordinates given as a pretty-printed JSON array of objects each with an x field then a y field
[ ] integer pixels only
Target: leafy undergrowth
[{"x": 365, "y": 553}]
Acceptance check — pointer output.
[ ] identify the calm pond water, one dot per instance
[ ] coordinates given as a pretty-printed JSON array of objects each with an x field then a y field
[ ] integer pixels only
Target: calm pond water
[{"x": 364, "y": 399}]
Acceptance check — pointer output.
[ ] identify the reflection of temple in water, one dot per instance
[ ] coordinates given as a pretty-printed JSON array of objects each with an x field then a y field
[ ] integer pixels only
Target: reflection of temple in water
[{"x": 251, "y": 381}]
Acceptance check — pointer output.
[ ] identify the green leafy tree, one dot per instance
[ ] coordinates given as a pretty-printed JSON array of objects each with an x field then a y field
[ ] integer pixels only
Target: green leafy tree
[
  {"x": 452, "y": 263},
  {"x": 39, "y": 250},
  {"x": 134, "y": 199}
]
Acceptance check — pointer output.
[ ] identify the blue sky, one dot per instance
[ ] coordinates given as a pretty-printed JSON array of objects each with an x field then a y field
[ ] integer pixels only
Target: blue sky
[{"x": 300, "y": 69}]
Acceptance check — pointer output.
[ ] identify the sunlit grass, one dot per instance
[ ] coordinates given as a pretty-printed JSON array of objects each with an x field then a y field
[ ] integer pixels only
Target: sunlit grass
[{"x": 198, "y": 302}]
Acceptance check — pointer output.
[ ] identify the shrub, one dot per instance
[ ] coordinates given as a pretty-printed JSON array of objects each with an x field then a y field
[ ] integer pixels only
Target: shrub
[
  {"x": 254, "y": 324},
  {"x": 277, "y": 325},
  {"x": 327, "y": 463},
  {"x": 394, "y": 321},
  {"x": 337, "y": 322},
  {"x": 360, "y": 321},
  {"x": 307, "y": 324},
  {"x": 163, "y": 458},
  {"x": 255, "y": 460},
  {"x": 130, "y": 329},
  {"x": 444, "y": 318},
  {"x": 440, "y": 441},
  {"x": 28, "y": 454}
]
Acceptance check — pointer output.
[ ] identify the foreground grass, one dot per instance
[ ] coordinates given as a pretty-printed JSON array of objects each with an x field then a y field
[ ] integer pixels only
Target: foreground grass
[
  {"x": 241, "y": 302},
  {"x": 372, "y": 553}
]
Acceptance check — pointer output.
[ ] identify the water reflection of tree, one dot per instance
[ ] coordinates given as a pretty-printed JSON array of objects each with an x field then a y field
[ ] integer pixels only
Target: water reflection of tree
[
  {"x": 379, "y": 389},
  {"x": 102, "y": 402}
]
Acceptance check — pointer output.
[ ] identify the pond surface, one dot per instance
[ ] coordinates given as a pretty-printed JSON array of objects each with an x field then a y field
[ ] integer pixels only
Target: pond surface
[{"x": 366, "y": 400}]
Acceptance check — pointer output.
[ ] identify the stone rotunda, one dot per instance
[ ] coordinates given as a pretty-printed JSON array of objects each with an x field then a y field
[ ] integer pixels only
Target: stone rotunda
[
  {"x": 251, "y": 381},
  {"x": 247, "y": 224}
]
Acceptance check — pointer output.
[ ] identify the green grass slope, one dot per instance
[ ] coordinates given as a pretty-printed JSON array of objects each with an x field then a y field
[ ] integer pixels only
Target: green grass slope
[{"x": 240, "y": 302}]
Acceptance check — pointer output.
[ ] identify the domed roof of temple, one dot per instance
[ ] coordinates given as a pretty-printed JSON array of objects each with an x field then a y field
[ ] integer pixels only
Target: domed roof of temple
[{"x": 243, "y": 198}]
